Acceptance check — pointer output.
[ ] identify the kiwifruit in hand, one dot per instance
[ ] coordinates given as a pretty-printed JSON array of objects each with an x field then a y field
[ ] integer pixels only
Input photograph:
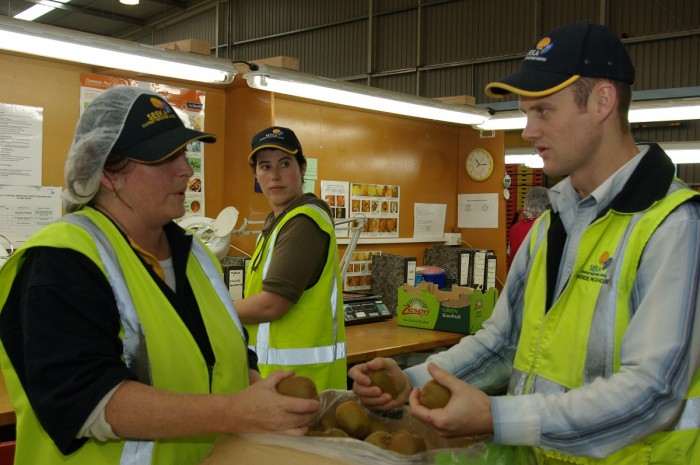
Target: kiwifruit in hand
[
  {"x": 352, "y": 418},
  {"x": 298, "y": 386},
  {"x": 380, "y": 439},
  {"x": 407, "y": 443},
  {"x": 383, "y": 379},
  {"x": 328, "y": 433},
  {"x": 434, "y": 395}
]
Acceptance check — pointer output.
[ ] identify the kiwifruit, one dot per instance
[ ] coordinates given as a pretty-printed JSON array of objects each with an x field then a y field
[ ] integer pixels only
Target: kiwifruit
[
  {"x": 383, "y": 379},
  {"x": 376, "y": 424},
  {"x": 352, "y": 418},
  {"x": 380, "y": 439},
  {"x": 434, "y": 395},
  {"x": 327, "y": 421},
  {"x": 328, "y": 433},
  {"x": 298, "y": 386},
  {"x": 407, "y": 443}
]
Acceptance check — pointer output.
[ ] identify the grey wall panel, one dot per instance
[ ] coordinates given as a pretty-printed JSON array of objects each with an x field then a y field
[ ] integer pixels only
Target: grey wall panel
[
  {"x": 638, "y": 18},
  {"x": 395, "y": 41},
  {"x": 201, "y": 27},
  {"x": 686, "y": 131},
  {"x": 405, "y": 83},
  {"x": 384, "y": 6},
  {"x": 664, "y": 64},
  {"x": 332, "y": 52},
  {"x": 556, "y": 13},
  {"x": 461, "y": 31},
  {"x": 448, "y": 82},
  {"x": 254, "y": 19}
]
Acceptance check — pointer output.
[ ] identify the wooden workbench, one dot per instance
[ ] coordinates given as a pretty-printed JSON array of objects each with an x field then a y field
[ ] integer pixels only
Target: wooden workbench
[
  {"x": 7, "y": 413},
  {"x": 386, "y": 338}
]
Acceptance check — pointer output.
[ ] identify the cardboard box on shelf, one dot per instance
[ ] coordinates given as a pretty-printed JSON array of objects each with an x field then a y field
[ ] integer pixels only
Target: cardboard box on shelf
[
  {"x": 461, "y": 99},
  {"x": 188, "y": 45},
  {"x": 459, "y": 310},
  {"x": 280, "y": 62}
]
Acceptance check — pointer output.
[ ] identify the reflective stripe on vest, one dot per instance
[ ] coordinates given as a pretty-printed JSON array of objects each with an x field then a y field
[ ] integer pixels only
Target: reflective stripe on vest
[
  {"x": 298, "y": 356},
  {"x": 140, "y": 452}
]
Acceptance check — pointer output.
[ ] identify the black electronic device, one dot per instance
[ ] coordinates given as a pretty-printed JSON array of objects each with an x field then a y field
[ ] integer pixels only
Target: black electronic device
[{"x": 364, "y": 308}]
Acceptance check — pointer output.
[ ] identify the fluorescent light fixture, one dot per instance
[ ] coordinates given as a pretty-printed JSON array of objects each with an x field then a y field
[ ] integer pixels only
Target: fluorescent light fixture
[
  {"x": 79, "y": 47},
  {"x": 523, "y": 156},
  {"x": 504, "y": 121},
  {"x": 129, "y": 2},
  {"x": 39, "y": 10},
  {"x": 680, "y": 153},
  {"x": 664, "y": 110},
  {"x": 303, "y": 85},
  {"x": 643, "y": 111}
]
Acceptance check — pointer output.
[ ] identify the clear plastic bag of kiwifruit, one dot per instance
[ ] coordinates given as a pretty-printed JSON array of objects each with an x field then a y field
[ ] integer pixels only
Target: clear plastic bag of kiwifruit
[{"x": 352, "y": 451}]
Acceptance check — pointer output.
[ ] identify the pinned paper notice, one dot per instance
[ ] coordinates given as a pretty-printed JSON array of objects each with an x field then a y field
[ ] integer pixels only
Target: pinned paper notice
[{"x": 477, "y": 211}]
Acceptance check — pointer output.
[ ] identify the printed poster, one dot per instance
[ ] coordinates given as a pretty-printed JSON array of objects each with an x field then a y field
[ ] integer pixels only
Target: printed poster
[{"x": 379, "y": 204}]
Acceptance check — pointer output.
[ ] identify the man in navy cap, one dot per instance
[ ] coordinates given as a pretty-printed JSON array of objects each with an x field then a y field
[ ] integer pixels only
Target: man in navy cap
[{"x": 596, "y": 336}]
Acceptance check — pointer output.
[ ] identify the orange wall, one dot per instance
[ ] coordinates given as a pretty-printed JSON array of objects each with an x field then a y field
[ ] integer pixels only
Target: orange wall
[{"x": 425, "y": 158}]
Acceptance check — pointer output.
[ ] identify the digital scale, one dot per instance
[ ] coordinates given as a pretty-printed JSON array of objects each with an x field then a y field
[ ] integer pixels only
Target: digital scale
[{"x": 364, "y": 308}]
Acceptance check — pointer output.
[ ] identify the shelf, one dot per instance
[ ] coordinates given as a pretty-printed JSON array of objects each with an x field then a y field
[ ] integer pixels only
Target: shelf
[{"x": 392, "y": 240}]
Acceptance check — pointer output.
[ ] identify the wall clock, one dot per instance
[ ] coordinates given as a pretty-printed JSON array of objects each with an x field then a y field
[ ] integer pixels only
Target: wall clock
[{"x": 479, "y": 164}]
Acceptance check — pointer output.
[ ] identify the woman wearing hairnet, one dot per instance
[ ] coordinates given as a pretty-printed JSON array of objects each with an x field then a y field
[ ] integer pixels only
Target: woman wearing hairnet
[
  {"x": 119, "y": 340},
  {"x": 535, "y": 203}
]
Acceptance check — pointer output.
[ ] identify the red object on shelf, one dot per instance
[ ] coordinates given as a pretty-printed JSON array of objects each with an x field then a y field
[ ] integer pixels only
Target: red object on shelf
[{"x": 7, "y": 453}]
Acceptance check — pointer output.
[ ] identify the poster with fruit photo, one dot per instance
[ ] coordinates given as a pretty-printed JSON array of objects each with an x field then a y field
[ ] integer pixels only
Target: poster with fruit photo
[
  {"x": 359, "y": 275},
  {"x": 335, "y": 193},
  {"x": 379, "y": 203}
]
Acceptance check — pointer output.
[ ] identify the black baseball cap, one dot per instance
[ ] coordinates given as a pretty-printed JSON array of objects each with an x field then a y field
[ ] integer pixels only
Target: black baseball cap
[
  {"x": 564, "y": 55},
  {"x": 278, "y": 138},
  {"x": 152, "y": 131}
]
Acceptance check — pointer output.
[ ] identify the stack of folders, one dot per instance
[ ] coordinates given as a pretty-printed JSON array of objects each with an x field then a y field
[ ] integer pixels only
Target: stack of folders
[{"x": 389, "y": 273}]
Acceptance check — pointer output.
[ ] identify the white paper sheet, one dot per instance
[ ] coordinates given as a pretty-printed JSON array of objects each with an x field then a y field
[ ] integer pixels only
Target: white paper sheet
[
  {"x": 429, "y": 219},
  {"x": 26, "y": 209},
  {"x": 477, "y": 211}
]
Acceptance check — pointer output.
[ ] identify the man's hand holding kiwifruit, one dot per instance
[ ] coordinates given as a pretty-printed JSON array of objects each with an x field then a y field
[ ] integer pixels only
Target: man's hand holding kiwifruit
[
  {"x": 466, "y": 413},
  {"x": 380, "y": 384}
]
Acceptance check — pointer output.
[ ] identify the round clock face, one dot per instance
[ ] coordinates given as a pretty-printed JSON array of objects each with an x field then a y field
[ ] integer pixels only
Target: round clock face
[{"x": 479, "y": 164}]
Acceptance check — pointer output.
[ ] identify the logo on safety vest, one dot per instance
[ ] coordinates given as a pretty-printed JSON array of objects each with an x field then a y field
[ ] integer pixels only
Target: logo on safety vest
[{"x": 597, "y": 272}]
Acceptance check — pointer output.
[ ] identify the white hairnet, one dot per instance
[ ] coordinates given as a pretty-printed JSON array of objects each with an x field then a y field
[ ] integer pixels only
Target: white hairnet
[
  {"x": 536, "y": 201},
  {"x": 98, "y": 128},
  {"x": 132, "y": 122}
]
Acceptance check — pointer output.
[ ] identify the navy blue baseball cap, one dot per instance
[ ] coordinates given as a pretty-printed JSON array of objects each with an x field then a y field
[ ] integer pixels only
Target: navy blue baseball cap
[
  {"x": 276, "y": 137},
  {"x": 562, "y": 57}
]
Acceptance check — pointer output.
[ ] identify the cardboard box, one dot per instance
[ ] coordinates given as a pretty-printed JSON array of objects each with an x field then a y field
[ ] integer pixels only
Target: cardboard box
[
  {"x": 460, "y": 99},
  {"x": 280, "y": 62},
  {"x": 188, "y": 45},
  {"x": 460, "y": 310}
]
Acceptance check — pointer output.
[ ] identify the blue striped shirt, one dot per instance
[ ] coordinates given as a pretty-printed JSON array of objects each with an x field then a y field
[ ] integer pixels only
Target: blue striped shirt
[{"x": 660, "y": 351}]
